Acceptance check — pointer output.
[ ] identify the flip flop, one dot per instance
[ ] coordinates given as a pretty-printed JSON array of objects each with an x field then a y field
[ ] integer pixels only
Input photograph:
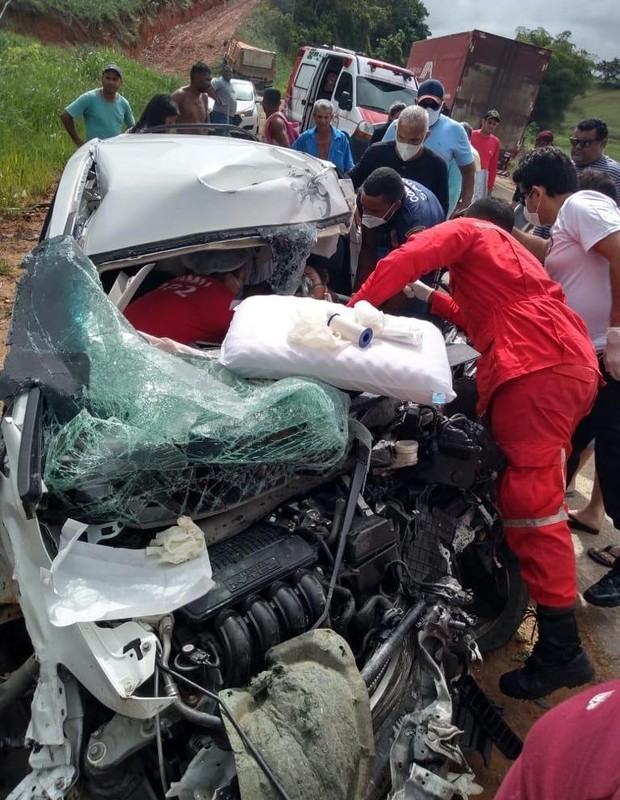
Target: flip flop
[
  {"x": 576, "y": 525},
  {"x": 605, "y": 555}
]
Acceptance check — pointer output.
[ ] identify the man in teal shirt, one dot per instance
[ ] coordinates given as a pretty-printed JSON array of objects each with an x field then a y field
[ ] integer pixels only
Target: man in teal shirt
[{"x": 104, "y": 110}]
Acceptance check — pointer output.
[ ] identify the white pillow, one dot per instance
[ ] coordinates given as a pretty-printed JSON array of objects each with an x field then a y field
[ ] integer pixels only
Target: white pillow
[{"x": 257, "y": 346}]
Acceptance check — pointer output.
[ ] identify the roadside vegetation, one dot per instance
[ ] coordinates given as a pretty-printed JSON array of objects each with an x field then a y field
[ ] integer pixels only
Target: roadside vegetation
[
  {"x": 36, "y": 82},
  {"x": 114, "y": 20}
]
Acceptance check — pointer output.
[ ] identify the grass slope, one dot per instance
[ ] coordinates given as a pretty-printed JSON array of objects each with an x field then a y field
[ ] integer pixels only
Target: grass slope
[{"x": 36, "y": 82}]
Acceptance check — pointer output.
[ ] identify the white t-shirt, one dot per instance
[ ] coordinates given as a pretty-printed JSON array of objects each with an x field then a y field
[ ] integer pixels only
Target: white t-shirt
[{"x": 585, "y": 218}]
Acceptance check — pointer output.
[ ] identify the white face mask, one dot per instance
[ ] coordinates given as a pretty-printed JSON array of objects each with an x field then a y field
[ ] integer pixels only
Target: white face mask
[
  {"x": 433, "y": 116},
  {"x": 407, "y": 151},
  {"x": 532, "y": 216},
  {"x": 371, "y": 221}
]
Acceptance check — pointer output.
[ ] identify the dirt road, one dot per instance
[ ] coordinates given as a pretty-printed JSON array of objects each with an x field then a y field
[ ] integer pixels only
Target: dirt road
[{"x": 202, "y": 39}]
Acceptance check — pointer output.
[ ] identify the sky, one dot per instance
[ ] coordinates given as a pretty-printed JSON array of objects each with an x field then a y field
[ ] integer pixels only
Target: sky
[{"x": 595, "y": 25}]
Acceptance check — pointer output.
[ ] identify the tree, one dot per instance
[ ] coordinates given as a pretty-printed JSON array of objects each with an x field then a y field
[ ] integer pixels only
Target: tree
[
  {"x": 569, "y": 74},
  {"x": 370, "y": 26},
  {"x": 610, "y": 72}
]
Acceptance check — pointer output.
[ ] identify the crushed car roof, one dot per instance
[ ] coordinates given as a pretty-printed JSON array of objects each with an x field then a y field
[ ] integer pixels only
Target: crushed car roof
[{"x": 159, "y": 187}]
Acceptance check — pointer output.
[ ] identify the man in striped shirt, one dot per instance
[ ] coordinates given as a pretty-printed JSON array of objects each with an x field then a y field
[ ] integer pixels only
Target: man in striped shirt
[{"x": 587, "y": 143}]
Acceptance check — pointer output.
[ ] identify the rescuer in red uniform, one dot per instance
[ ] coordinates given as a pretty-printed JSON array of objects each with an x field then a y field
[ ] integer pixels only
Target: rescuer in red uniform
[{"x": 536, "y": 378}]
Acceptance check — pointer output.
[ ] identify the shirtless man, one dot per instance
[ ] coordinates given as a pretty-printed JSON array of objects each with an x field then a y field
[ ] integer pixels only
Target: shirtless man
[{"x": 192, "y": 99}]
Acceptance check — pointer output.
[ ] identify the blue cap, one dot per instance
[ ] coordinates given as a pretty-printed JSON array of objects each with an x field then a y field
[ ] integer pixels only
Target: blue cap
[{"x": 431, "y": 88}]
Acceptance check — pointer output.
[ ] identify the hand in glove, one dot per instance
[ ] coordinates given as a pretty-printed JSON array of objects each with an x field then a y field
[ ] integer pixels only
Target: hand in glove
[
  {"x": 419, "y": 290},
  {"x": 611, "y": 355}
]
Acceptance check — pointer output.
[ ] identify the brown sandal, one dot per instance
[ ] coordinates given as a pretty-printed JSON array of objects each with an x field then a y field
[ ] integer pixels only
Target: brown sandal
[{"x": 605, "y": 555}]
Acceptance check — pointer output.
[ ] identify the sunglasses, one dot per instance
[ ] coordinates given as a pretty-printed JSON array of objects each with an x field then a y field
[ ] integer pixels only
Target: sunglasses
[
  {"x": 434, "y": 106},
  {"x": 524, "y": 195},
  {"x": 583, "y": 143}
]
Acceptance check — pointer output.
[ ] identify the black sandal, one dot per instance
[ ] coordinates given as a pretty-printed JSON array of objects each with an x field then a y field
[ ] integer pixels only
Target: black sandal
[{"x": 605, "y": 555}]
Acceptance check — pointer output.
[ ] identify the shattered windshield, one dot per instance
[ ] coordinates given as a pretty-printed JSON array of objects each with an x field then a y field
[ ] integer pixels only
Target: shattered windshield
[{"x": 142, "y": 436}]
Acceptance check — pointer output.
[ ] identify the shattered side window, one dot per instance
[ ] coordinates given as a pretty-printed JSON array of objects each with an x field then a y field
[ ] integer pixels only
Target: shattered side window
[
  {"x": 139, "y": 435},
  {"x": 290, "y": 247}
]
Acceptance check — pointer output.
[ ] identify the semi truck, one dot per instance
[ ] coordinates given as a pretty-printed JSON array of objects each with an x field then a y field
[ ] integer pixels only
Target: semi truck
[{"x": 482, "y": 71}]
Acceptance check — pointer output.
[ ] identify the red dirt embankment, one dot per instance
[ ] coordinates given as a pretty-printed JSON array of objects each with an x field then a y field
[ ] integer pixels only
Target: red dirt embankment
[{"x": 65, "y": 30}]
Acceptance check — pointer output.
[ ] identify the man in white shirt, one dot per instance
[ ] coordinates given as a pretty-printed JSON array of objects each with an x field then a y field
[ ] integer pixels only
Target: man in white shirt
[{"x": 583, "y": 255}]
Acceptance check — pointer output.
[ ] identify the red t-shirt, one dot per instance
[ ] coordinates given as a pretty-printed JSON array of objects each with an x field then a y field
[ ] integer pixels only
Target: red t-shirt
[
  {"x": 188, "y": 309},
  {"x": 488, "y": 150},
  {"x": 512, "y": 311},
  {"x": 572, "y": 753}
]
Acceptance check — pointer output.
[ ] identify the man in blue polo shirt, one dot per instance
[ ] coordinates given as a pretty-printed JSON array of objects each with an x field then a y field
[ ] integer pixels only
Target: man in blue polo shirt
[
  {"x": 323, "y": 140},
  {"x": 449, "y": 140},
  {"x": 104, "y": 110}
]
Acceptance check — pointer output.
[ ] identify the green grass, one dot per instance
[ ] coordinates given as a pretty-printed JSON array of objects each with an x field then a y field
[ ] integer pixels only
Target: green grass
[
  {"x": 94, "y": 16},
  {"x": 256, "y": 32},
  {"x": 36, "y": 82}
]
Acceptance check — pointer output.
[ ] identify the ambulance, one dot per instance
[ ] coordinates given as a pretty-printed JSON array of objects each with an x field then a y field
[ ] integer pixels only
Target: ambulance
[{"x": 361, "y": 88}]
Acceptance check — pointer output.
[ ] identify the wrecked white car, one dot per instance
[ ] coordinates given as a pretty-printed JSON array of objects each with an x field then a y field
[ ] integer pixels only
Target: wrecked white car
[{"x": 233, "y": 588}]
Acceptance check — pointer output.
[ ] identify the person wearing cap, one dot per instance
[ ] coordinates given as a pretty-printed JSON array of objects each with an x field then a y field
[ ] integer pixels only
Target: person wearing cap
[
  {"x": 104, "y": 110},
  {"x": 449, "y": 140},
  {"x": 543, "y": 139},
  {"x": 198, "y": 306},
  {"x": 488, "y": 145},
  {"x": 536, "y": 378}
]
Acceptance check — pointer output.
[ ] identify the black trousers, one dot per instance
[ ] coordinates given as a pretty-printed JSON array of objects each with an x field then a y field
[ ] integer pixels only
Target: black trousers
[{"x": 603, "y": 425}]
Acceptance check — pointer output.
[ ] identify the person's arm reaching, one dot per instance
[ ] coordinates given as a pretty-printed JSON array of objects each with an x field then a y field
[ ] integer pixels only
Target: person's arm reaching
[
  {"x": 428, "y": 250},
  {"x": 441, "y": 304},
  {"x": 535, "y": 244}
]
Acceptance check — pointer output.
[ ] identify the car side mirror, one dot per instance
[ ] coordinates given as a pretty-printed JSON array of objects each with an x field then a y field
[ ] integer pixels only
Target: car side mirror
[{"x": 345, "y": 101}]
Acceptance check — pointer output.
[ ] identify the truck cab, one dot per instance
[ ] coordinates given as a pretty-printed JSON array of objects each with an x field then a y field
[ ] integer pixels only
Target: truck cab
[{"x": 361, "y": 88}]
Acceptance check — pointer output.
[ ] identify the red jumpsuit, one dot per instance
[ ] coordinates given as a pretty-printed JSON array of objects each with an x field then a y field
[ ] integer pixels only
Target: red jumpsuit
[{"x": 537, "y": 377}]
